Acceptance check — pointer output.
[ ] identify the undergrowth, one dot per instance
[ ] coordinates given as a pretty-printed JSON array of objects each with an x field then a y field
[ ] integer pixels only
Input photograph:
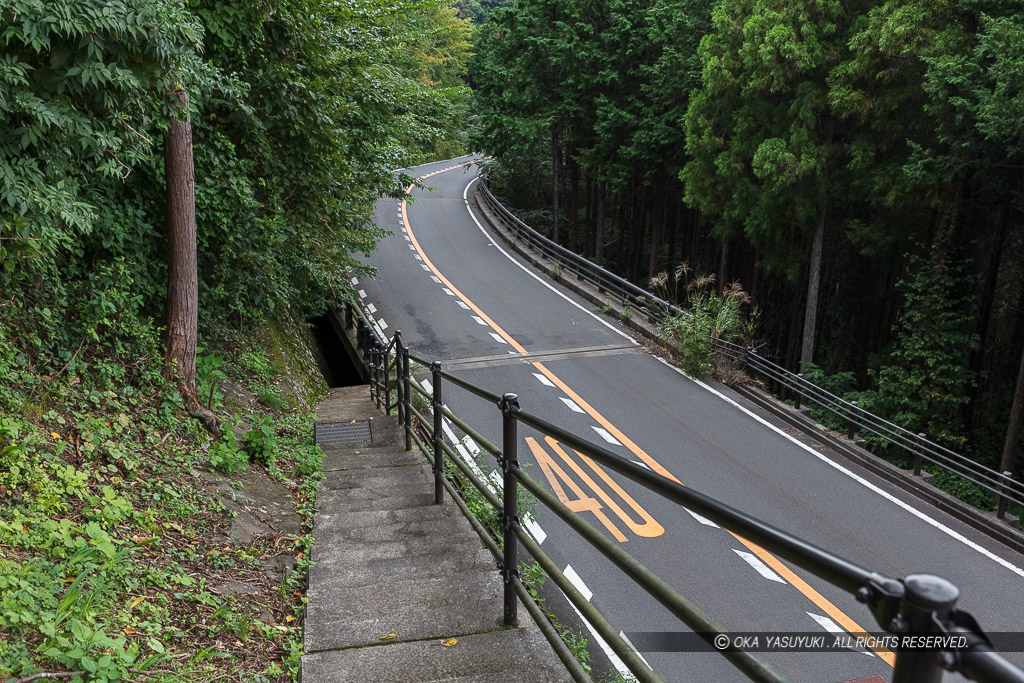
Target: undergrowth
[{"x": 112, "y": 540}]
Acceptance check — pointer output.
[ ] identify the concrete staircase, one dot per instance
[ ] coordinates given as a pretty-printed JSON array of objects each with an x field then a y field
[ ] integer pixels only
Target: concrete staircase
[{"x": 389, "y": 561}]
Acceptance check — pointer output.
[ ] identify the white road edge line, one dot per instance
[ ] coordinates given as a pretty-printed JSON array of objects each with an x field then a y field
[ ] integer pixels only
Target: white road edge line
[
  {"x": 759, "y": 566},
  {"x": 465, "y": 196},
  {"x": 864, "y": 482},
  {"x": 577, "y": 581},
  {"x": 907, "y": 507},
  {"x": 633, "y": 648}
]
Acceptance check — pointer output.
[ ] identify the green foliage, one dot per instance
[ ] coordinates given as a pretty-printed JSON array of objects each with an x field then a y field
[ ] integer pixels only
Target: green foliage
[
  {"x": 924, "y": 382},
  {"x": 707, "y": 316},
  {"x": 261, "y": 441}
]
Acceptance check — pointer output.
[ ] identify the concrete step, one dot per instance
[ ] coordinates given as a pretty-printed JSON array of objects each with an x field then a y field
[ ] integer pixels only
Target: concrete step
[
  {"x": 376, "y": 489},
  {"x": 359, "y": 518},
  {"x": 371, "y": 458},
  {"x": 505, "y": 655},
  {"x": 329, "y": 631},
  {"x": 342, "y": 501},
  {"x": 331, "y": 571},
  {"x": 402, "y": 591},
  {"x": 374, "y": 476},
  {"x": 341, "y": 530},
  {"x": 341, "y": 554}
]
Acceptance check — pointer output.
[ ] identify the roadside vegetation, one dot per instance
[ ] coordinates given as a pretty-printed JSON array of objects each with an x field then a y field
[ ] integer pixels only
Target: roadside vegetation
[
  {"x": 856, "y": 168},
  {"x": 182, "y": 185}
]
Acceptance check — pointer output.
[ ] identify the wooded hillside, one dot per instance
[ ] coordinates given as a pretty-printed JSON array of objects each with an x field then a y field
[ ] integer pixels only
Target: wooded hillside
[{"x": 856, "y": 167}]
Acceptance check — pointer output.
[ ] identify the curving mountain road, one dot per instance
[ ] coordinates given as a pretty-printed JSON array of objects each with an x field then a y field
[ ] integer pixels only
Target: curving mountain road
[{"x": 459, "y": 296}]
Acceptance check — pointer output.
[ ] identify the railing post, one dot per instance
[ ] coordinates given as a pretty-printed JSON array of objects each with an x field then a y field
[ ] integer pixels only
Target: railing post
[
  {"x": 361, "y": 337},
  {"x": 1002, "y": 500},
  {"x": 926, "y": 599},
  {"x": 435, "y": 373},
  {"x": 798, "y": 399},
  {"x": 375, "y": 355},
  {"x": 918, "y": 455},
  {"x": 407, "y": 398},
  {"x": 850, "y": 425},
  {"x": 510, "y": 510},
  {"x": 385, "y": 363},
  {"x": 348, "y": 315}
]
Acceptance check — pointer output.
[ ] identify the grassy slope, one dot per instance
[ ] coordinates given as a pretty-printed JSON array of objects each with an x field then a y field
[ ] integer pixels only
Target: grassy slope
[{"x": 110, "y": 543}]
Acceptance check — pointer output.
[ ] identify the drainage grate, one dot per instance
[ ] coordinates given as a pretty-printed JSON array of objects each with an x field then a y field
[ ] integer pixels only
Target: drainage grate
[{"x": 334, "y": 433}]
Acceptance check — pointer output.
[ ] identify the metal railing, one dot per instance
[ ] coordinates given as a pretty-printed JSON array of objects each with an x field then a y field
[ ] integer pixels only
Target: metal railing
[
  {"x": 918, "y": 447},
  {"x": 917, "y": 604}
]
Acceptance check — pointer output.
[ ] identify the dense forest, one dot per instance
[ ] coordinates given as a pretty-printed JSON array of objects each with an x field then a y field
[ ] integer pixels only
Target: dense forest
[
  {"x": 857, "y": 168},
  {"x": 183, "y": 185}
]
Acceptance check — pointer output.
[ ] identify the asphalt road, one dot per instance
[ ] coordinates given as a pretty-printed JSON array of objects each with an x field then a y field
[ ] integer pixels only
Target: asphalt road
[{"x": 459, "y": 296}]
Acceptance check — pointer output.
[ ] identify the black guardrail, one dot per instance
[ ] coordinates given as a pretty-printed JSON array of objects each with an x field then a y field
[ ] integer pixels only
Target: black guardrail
[
  {"x": 918, "y": 605},
  {"x": 917, "y": 447}
]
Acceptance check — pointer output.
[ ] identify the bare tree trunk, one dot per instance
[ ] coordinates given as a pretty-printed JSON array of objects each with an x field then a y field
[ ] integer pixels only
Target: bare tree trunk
[
  {"x": 556, "y": 168},
  {"x": 813, "y": 283},
  {"x": 1012, "y": 445},
  {"x": 599, "y": 228},
  {"x": 182, "y": 310}
]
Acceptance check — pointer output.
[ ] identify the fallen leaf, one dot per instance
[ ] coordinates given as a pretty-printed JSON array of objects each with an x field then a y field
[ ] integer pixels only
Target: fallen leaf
[
  {"x": 450, "y": 642},
  {"x": 388, "y": 636},
  {"x": 289, "y": 618},
  {"x": 55, "y": 435},
  {"x": 129, "y": 631},
  {"x": 135, "y": 602}
]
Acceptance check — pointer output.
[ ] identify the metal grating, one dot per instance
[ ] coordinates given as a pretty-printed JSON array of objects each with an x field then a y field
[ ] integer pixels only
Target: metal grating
[{"x": 335, "y": 433}]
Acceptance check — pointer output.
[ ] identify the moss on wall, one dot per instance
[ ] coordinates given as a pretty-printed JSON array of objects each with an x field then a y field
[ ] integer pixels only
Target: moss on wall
[{"x": 290, "y": 346}]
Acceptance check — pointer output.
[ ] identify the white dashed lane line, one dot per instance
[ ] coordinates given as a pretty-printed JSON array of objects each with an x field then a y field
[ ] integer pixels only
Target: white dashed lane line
[
  {"x": 571, "y": 404},
  {"x": 543, "y": 380},
  {"x": 362, "y": 293},
  {"x": 700, "y": 518},
  {"x": 479, "y": 320},
  {"x": 759, "y": 566},
  {"x": 603, "y": 433},
  {"x": 836, "y": 629},
  {"x": 435, "y": 279},
  {"x": 498, "y": 338},
  {"x": 461, "y": 303},
  {"x": 371, "y": 308},
  {"x": 355, "y": 281},
  {"x": 577, "y": 582},
  {"x": 383, "y": 325},
  {"x": 425, "y": 267},
  {"x": 449, "y": 293}
]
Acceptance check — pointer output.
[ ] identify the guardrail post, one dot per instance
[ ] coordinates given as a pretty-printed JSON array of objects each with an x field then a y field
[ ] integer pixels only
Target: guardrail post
[
  {"x": 798, "y": 399},
  {"x": 926, "y": 599},
  {"x": 918, "y": 455},
  {"x": 1001, "y": 505},
  {"x": 406, "y": 398},
  {"x": 851, "y": 426},
  {"x": 348, "y": 315},
  {"x": 510, "y": 510},
  {"x": 361, "y": 337},
  {"x": 435, "y": 370}
]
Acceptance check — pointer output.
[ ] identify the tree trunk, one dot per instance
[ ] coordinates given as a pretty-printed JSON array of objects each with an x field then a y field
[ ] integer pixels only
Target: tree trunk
[
  {"x": 813, "y": 282},
  {"x": 182, "y": 310},
  {"x": 556, "y": 167},
  {"x": 1012, "y": 444},
  {"x": 599, "y": 227}
]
